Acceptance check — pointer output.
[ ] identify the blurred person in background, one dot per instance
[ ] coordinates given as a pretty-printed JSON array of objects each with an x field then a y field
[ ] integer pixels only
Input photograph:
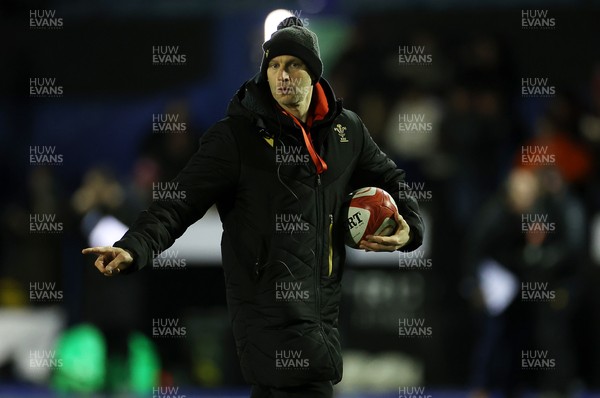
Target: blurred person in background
[
  {"x": 32, "y": 278},
  {"x": 532, "y": 233},
  {"x": 570, "y": 156},
  {"x": 287, "y": 109},
  {"x": 105, "y": 206},
  {"x": 589, "y": 126}
]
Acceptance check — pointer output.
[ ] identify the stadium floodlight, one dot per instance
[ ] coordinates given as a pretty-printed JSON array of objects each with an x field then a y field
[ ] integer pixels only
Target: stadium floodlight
[{"x": 273, "y": 20}]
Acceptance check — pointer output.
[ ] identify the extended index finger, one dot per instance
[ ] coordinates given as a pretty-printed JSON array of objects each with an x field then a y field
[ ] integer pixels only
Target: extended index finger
[{"x": 98, "y": 250}]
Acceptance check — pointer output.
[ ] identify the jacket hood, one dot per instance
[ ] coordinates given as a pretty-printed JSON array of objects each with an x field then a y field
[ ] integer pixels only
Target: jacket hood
[{"x": 254, "y": 101}]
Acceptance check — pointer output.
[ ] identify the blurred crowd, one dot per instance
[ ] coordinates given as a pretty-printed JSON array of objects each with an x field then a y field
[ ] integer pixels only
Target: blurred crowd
[
  {"x": 472, "y": 152},
  {"x": 469, "y": 157}
]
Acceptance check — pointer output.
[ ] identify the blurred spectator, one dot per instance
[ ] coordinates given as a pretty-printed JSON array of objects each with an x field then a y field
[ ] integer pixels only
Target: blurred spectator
[
  {"x": 27, "y": 249},
  {"x": 100, "y": 198},
  {"x": 572, "y": 159},
  {"x": 31, "y": 275},
  {"x": 106, "y": 207},
  {"x": 530, "y": 233},
  {"x": 589, "y": 125}
]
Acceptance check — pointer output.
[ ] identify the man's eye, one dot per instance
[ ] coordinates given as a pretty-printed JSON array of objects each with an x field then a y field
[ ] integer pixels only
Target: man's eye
[{"x": 274, "y": 66}]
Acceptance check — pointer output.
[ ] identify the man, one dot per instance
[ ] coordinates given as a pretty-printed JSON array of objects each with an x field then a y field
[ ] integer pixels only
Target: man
[{"x": 286, "y": 151}]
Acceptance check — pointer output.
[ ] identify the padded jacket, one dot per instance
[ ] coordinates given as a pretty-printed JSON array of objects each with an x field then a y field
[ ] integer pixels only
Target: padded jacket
[{"x": 282, "y": 246}]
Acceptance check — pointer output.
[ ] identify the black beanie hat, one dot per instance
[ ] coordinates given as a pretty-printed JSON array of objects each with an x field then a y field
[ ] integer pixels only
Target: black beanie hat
[{"x": 292, "y": 38}]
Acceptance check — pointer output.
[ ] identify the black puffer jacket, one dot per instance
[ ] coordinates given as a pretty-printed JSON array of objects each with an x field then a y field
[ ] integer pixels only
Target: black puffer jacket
[{"x": 282, "y": 247}]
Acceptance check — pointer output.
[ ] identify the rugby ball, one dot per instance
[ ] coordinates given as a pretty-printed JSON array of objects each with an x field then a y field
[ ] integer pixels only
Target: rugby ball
[{"x": 370, "y": 212}]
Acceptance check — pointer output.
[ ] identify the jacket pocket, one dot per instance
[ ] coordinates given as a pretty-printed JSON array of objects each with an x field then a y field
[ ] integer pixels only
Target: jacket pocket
[{"x": 287, "y": 357}]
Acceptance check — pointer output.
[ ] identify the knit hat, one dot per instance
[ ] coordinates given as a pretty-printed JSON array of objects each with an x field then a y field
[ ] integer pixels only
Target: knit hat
[{"x": 292, "y": 38}]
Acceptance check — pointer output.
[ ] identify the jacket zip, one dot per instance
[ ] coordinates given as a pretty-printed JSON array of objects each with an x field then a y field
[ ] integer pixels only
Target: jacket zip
[
  {"x": 319, "y": 254},
  {"x": 318, "y": 268},
  {"x": 330, "y": 268}
]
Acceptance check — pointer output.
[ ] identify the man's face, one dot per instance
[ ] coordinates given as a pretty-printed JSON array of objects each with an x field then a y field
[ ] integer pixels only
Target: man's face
[{"x": 289, "y": 80}]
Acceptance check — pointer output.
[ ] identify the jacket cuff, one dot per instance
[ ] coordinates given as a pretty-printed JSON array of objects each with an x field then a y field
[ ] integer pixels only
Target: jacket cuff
[{"x": 133, "y": 248}]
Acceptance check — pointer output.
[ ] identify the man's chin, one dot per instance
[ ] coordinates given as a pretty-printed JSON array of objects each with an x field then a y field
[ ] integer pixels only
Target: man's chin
[
  {"x": 287, "y": 99},
  {"x": 288, "y": 102}
]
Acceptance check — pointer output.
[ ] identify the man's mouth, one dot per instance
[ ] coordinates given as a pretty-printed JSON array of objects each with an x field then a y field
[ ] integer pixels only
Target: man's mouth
[{"x": 285, "y": 90}]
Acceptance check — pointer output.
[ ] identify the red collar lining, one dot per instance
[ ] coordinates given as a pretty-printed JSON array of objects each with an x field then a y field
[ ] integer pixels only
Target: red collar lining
[{"x": 321, "y": 108}]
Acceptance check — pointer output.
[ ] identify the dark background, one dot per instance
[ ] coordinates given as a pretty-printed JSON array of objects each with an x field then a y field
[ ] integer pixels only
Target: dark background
[{"x": 102, "y": 58}]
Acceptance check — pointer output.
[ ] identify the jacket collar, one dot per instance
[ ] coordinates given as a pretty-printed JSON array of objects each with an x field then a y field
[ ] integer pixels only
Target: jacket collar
[{"x": 253, "y": 100}]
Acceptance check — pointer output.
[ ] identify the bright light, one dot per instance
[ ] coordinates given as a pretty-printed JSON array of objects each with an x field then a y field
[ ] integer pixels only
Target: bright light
[{"x": 273, "y": 20}]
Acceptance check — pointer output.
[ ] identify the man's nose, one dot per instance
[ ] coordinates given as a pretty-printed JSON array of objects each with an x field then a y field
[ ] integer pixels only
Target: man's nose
[{"x": 285, "y": 76}]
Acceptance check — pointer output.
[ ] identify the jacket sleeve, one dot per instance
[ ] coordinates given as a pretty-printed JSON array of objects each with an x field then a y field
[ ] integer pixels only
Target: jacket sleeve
[
  {"x": 375, "y": 168},
  {"x": 211, "y": 173}
]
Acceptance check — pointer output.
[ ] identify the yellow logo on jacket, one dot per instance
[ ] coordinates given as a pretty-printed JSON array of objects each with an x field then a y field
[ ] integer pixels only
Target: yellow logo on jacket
[{"x": 269, "y": 140}]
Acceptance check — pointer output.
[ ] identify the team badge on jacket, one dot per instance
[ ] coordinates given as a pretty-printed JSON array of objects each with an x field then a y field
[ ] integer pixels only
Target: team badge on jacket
[{"x": 341, "y": 130}]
